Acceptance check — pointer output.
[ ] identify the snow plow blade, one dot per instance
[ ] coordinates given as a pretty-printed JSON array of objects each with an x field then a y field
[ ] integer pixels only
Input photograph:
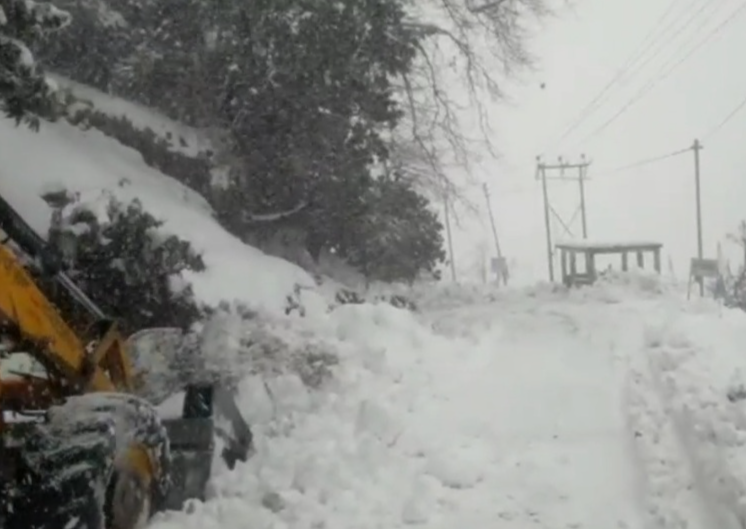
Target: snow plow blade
[
  {"x": 192, "y": 439},
  {"x": 199, "y": 416}
]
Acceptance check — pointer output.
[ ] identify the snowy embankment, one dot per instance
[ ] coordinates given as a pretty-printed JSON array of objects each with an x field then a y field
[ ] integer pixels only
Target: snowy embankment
[
  {"x": 98, "y": 168},
  {"x": 696, "y": 357},
  {"x": 605, "y": 407}
]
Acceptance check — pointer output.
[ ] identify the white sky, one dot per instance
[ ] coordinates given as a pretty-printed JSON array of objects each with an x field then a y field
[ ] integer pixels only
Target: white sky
[{"x": 579, "y": 52}]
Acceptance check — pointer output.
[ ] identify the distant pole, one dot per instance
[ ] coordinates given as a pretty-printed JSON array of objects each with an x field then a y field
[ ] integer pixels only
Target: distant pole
[
  {"x": 696, "y": 148},
  {"x": 494, "y": 230},
  {"x": 542, "y": 173},
  {"x": 581, "y": 181},
  {"x": 449, "y": 236}
]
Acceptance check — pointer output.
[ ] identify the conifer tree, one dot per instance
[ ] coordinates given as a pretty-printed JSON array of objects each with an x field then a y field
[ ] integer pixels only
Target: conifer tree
[{"x": 25, "y": 94}]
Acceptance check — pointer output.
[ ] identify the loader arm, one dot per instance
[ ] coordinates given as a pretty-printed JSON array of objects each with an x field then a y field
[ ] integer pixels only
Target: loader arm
[
  {"x": 97, "y": 366},
  {"x": 78, "y": 360}
]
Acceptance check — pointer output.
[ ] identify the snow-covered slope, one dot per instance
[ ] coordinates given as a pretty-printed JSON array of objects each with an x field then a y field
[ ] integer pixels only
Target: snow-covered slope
[{"x": 97, "y": 166}]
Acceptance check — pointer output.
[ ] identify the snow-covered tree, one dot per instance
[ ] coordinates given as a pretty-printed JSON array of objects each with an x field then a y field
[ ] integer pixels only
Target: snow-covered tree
[
  {"x": 24, "y": 91},
  {"x": 399, "y": 238},
  {"x": 132, "y": 270}
]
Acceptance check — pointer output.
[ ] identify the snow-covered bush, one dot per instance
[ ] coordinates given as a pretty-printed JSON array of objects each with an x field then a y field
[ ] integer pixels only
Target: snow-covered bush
[
  {"x": 122, "y": 261},
  {"x": 269, "y": 346},
  {"x": 25, "y": 94},
  {"x": 346, "y": 296},
  {"x": 231, "y": 343},
  {"x": 733, "y": 287}
]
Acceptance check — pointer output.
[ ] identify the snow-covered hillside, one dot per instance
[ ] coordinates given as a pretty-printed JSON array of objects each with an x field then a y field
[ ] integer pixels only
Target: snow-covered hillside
[{"x": 97, "y": 167}]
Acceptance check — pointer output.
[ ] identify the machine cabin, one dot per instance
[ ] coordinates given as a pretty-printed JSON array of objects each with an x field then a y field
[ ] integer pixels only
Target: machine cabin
[{"x": 569, "y": 253}]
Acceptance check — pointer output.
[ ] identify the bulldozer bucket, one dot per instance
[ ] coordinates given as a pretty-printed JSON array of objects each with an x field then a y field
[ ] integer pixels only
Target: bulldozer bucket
[{"x": 200, "y": 417}]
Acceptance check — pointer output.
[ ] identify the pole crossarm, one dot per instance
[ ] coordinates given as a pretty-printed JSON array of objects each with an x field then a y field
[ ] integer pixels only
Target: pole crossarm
[{"x": 579, "y": 176}]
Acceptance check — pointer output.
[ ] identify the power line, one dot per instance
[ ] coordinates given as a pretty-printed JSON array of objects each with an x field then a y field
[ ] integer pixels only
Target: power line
[
  {"x": 693, "y": 18},
  {"x": 646, "y": 161},
  {"x": 646, "y": 88},
  {"x": 623, "y": 72},
  {"x": 620, "y": 72},
  {"x": 727, "y": 118}
]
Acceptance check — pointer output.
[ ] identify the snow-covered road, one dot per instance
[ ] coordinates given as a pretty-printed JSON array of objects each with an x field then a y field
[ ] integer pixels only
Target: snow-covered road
[
  {"x": 544, "y": 397},
  {"x": 607, "y": 410}
]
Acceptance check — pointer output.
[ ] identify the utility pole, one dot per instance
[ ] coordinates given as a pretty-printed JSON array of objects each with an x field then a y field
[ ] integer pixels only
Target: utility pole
[
  {"x": 549, "y": 212},
  {"x": 581, "y": 179},
  {"x": 541, "y": 170},
  {"x": 696, "y": 147},
  {"x": 494, "y": 230},
  {"x": 450, "y": 238}
]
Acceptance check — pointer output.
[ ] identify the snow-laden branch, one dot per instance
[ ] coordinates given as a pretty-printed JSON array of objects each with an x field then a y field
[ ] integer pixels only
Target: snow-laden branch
[
  {"x": 275, "y": 217},
  {"x": 467, "y": 50}
]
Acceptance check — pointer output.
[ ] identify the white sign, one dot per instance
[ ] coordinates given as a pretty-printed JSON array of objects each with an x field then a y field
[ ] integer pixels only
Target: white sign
[{"x": 704, "y": 268}]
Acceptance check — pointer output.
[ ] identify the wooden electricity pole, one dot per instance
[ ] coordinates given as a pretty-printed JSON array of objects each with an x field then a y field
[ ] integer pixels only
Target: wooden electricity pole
[
  {"x": 549, "y": 211},
  {"x": 450, "y": 237},
  {"x": 541, "y": 172},
  {"x": 696, "y": 147},
  {"x": 581, "y": 179},
  {"x": 501, "y": 274}
]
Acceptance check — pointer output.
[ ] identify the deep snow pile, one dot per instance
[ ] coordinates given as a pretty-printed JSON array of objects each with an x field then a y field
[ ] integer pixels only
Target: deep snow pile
[
  {"x": 612, "y": 406},
  {"x": 528, "y": 412}
]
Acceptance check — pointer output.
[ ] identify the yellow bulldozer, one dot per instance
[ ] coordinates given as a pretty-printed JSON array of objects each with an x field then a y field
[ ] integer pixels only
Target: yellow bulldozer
[{"x": 81, "y": 447}]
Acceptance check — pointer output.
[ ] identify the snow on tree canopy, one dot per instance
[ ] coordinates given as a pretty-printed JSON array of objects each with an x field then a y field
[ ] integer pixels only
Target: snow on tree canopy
[{"x": 24, "y": 92}]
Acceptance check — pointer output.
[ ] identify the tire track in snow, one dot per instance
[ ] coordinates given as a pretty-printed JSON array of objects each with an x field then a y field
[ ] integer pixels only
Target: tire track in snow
[
  {"x": 667, "y": 479},
  {"x": 712, "y": 428}
]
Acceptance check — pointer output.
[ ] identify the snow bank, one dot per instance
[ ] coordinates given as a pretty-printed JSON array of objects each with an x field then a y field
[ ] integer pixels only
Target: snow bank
[
  {"x": 97, "y": 167},
  {"x": 698, "y": 359}
]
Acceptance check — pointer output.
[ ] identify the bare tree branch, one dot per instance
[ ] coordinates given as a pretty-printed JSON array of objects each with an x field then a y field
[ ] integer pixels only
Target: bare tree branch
[{"x": 467, "y": 46}]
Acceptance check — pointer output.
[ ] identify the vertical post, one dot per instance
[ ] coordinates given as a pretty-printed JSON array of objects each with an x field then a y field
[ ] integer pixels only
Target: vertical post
[
  {"x": 696, "y": 148},
  {"x": 581, "y": 179},
  {"x": 590, "y": 265},
  {"x": 450, "y": 239},
  {"x": 543, "y": 171},
  {"x": 494, "y": 229}
]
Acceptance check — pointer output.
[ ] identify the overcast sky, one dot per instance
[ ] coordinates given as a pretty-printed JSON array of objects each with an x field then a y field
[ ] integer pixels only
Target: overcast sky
[{"x": 579, "y": 52}]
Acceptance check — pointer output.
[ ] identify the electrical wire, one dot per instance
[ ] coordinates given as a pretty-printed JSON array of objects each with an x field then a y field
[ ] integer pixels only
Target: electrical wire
[
  {"x": 695, "y": 17},
  {"x": 623, "y": 72},
  {"x": 725, "y": 120},
  {"x": 645, "y": 161},
  {"x": 654, "y": 82}
]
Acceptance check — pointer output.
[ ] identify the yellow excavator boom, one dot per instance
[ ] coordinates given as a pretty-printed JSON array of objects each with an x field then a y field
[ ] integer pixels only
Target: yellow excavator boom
[{"x": 24, "y": 307}]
